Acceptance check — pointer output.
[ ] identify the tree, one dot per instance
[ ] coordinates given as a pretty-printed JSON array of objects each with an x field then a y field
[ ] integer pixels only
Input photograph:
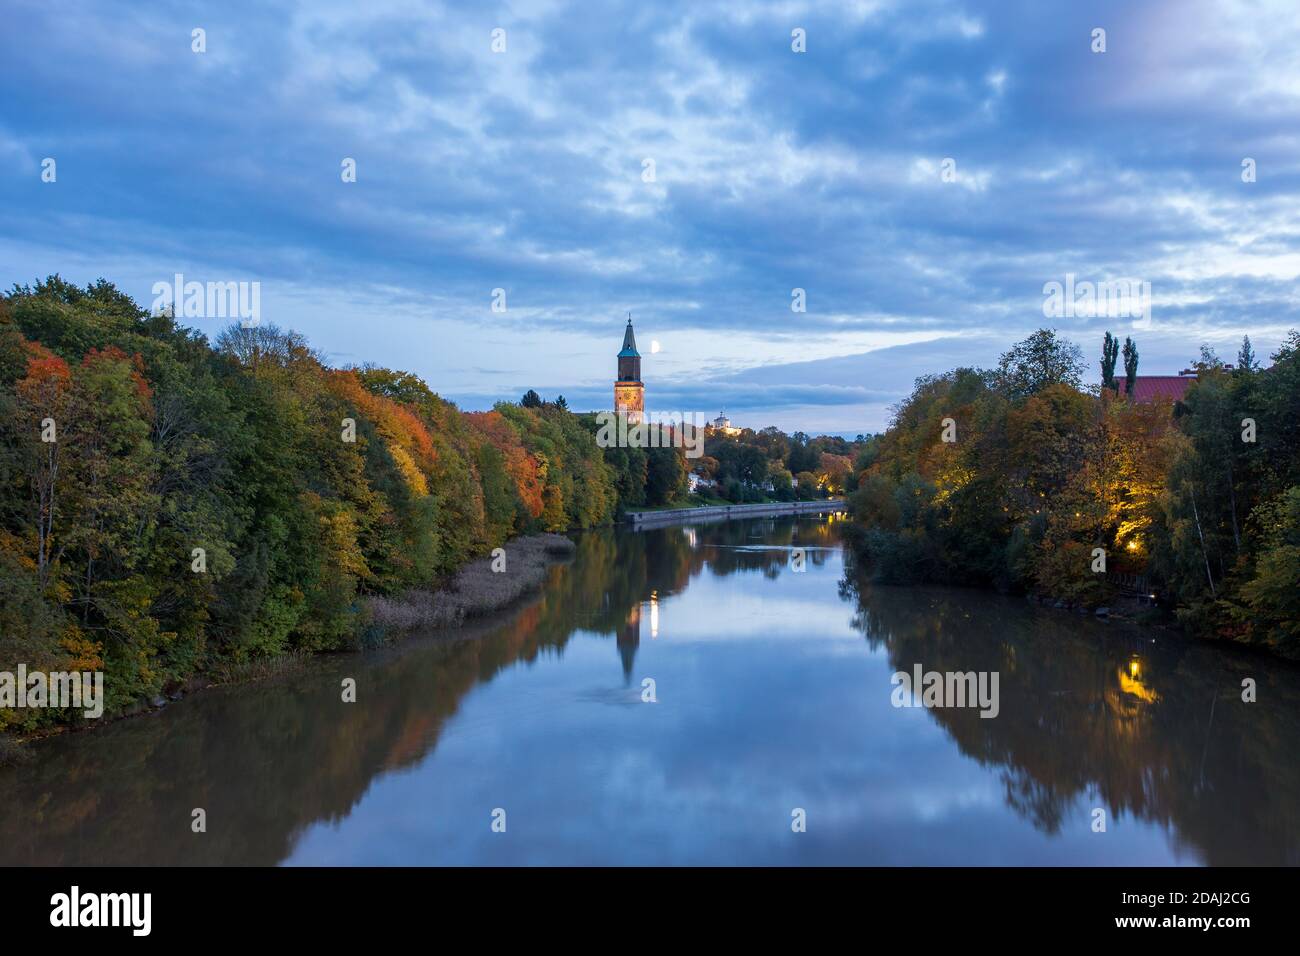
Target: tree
[
  {"x": 521, "y": 467},
  {"x": 44, "y": 400},
  {"x": 802, "y": 456},
  {"x": 774, "y": 443},
  {"x": 1246, "y": 361},
  {"x": 1272, "y": 593},
  {"x": 751, "y": 466},
  {"x": 833, "y": 472},
  {"x": 1109, "y": 353},
  {"x": 531, "y": 400},
  {"x": 806, "y": 485},
  {"x": 1041, "y": 360},
  {"x": 782, "y": 482},
  {"x": 561, "y": 403},
  {"x": 257, "y": 345},
  {"x": 399, "y": 386},
  {"x": 1130, "y": 365},
  {"x": 1209, "y": 360},
  {"x": 665, "y": 475}
]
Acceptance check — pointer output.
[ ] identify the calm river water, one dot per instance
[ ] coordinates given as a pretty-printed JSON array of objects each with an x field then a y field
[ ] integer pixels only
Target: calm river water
[{"x": 773, "y": 694}]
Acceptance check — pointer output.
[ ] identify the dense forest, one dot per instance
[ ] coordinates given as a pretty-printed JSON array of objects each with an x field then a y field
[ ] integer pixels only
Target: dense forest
[
  {"x": 171, "y": 506},
  {"x": 1020, "y": 478}
]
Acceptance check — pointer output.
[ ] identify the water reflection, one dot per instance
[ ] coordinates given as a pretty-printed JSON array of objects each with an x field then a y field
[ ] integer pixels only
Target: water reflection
[
  {"x": 770, "y": 699},
  {"x": 1154, "y": 727}
]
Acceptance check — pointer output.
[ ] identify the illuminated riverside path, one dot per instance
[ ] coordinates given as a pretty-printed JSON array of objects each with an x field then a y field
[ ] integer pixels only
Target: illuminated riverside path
[{"x": 773, "y": 693}]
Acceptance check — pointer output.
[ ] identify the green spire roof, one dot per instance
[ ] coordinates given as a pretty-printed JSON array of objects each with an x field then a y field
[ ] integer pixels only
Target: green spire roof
[{"x": 629, "y": 342}]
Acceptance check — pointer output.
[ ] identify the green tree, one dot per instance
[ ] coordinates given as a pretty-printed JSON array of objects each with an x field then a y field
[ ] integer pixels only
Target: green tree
[
  {"x": 1041, "y": 360},
  {"x": 1246, "y": 361},
  {"x": 1130, "y": 364},
  {"x": 1109, "y": 355},
  {"x": 665, "y": 475}
]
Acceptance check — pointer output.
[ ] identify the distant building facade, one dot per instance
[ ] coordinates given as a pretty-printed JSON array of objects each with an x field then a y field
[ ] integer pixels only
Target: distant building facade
[
  {"x": 629, "y": 391},
  {"x": 723, "y": 424}
]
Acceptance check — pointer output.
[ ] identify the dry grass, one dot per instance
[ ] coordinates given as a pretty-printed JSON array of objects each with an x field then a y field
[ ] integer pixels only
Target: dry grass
[
  {"x": 476, "y": 589},
  {"x": 260, "y": 668}
]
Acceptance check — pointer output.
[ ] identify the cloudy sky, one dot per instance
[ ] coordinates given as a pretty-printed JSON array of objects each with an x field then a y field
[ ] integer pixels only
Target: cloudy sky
[{"x": 773, "y": 170}]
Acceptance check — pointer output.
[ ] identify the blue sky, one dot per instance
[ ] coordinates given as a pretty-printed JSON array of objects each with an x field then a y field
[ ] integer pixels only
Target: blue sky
[{"x": 774, "y": 170}]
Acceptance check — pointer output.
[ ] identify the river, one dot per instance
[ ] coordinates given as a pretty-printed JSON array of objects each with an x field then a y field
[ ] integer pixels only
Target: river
[{"x": 530, "y": 740}]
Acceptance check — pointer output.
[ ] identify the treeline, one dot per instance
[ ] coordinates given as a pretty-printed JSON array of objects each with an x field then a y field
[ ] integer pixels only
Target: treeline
[
  {"x": 752, "y": 466},
  {"x": 650, "y": 471},
  {"x": 1014, "y": 478},
  {"x": 740, "y": 465},
  {"x": 168, "y": 505}
]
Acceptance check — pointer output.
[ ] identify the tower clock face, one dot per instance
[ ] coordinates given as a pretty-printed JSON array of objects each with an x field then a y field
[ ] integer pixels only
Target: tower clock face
[{"x": 628, "y": 396}]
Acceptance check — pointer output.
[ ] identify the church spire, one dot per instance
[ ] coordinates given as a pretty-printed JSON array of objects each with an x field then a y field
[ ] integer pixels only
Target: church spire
[{"x": 629, "y": 341}]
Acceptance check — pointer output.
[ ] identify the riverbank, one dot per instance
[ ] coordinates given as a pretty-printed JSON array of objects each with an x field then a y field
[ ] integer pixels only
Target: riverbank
[
  {"x": 480, "y": 590},
  {"x": 646, "y": 518},
  {"x": 1106, "y": 606}
]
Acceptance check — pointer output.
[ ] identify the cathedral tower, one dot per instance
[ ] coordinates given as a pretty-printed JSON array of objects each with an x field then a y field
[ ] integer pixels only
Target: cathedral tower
[{"x": 629, "y": 393}]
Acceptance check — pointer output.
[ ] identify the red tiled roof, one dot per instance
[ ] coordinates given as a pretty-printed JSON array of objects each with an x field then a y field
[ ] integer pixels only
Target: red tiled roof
[{"x": 1148, "y": 388}]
